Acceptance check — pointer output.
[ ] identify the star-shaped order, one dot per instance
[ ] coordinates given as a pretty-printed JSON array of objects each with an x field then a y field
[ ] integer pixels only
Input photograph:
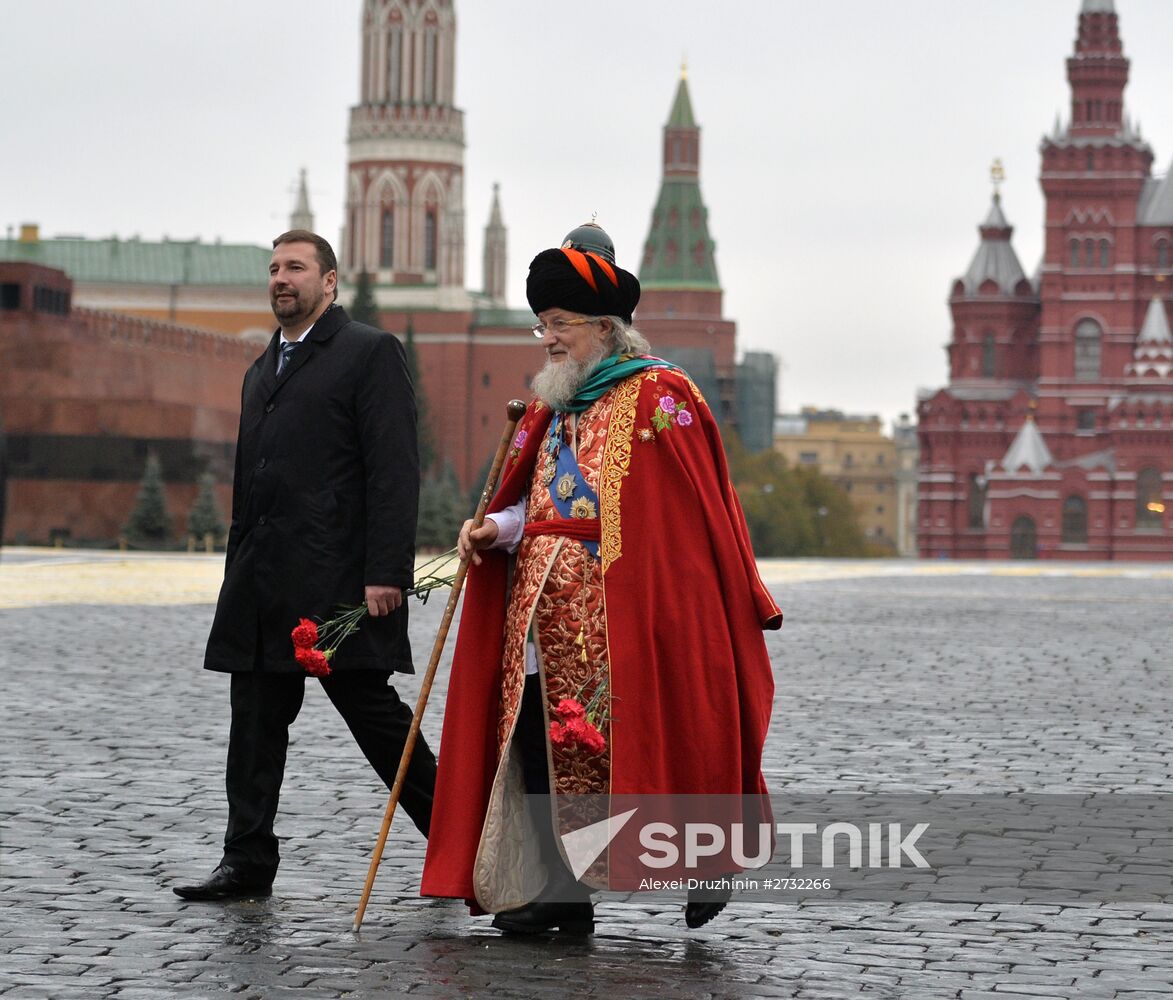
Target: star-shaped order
[
  {"x": 566, "y": 486},
  {"x": 583, "y": 507}
]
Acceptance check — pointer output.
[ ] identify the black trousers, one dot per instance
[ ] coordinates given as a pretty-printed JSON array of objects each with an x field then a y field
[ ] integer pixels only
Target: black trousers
[
  {"x": 530, "y": 734},
  {"x": 264, "y": 706}
]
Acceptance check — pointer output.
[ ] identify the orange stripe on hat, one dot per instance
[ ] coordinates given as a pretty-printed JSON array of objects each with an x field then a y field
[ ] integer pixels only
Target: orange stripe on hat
[
  {"x": 579, "y": 262},
  {"x": 607, "y": 269}
]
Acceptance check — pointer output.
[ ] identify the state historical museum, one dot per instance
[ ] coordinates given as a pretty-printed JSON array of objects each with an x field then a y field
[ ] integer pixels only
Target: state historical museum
[{"x": 1054, "y": 436}]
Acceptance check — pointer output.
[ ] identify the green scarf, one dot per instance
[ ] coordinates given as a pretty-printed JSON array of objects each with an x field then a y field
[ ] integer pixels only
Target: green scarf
[{"x": 607, "y": 373}]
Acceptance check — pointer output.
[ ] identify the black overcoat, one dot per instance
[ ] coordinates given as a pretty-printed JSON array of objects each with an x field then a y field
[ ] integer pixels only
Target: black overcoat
[{"x": 324, "y": 499}]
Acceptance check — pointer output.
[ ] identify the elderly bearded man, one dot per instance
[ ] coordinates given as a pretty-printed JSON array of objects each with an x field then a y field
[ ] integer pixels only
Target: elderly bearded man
[{"x": 614, "y": 569}]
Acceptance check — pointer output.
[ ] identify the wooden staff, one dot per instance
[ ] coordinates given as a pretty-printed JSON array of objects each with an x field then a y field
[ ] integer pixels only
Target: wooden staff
[{"x": 515, "y": 409}]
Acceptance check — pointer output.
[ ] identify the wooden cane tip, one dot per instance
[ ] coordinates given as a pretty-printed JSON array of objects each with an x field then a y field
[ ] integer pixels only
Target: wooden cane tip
[{"x": 515, "y": 408}]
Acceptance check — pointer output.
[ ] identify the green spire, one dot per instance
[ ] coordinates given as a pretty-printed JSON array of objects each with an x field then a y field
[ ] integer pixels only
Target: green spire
[
  {"x": 681, "y": 115},
  {"x": 678, "y": 252}
]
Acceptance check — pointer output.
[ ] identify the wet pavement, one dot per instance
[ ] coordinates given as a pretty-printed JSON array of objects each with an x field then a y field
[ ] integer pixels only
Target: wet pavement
[{"x": 892, "y": 677}]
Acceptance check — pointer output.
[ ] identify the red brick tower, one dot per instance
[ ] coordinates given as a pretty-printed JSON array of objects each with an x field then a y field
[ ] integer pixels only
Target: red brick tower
[
  {"x": 680, "y": 306},
  {"x": 1054, "y": 437},
  {"x": 404, "y": 220}
]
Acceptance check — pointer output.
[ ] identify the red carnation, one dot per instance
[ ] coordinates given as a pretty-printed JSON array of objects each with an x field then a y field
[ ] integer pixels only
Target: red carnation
[
  {"x": 305, "y": 635},
  {"x": 585, "y": 735},
  {"x": 314, "y": 661},
  {"x": 592, "y": 739},
  {"x": 560, "y": 735},
  {"x": 569, "y": 709}
]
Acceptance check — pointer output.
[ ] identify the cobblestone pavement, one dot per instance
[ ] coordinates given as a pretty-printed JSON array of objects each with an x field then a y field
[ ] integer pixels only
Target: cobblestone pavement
[{"x": 891, "y": 677}]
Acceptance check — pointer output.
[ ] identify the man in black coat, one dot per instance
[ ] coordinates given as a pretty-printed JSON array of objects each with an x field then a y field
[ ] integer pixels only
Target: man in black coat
[{"x": 324, "y": 502}]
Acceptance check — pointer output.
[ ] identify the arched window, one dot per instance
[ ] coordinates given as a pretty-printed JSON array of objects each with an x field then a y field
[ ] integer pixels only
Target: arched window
[
  {"x": 1150, "y": 507},
  {"x": 1074, "y": 520},
  {"x": 387, "y": 239},
  {"x": 1162, "y": 253},
  {"x": 1073, "y": 246},
  {"x": 1087, "y": 350},
  {"x": 989, "y": 355},
  {"x": 1105, "y": 253},
  {"x": 1089, "y": 253},
  {"x": 1023, "y": 539},
  {"x": 430, "y": 240},
  {"x": 976, "y": 501}
]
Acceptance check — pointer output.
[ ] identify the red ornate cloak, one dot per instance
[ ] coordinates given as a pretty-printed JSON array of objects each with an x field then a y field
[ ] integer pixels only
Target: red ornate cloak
[{"x": 685, "y": 611}]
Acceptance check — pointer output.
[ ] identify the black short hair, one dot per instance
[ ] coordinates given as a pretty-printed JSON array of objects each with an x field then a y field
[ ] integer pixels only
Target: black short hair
[{"x": 322, "y": 250}]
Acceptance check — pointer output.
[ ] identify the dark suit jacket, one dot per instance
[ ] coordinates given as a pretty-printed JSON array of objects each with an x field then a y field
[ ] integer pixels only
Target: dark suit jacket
[{"x": 324, "y": 499}]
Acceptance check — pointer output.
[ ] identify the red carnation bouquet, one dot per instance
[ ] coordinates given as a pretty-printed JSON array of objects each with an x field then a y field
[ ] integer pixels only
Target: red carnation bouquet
[
  {"x": 314, "y": 645},
  {"x": 578, "y": 724}
]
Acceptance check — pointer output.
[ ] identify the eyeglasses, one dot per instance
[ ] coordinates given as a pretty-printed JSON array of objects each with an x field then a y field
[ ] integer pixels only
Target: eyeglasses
[{"x": 560, "y": 326}]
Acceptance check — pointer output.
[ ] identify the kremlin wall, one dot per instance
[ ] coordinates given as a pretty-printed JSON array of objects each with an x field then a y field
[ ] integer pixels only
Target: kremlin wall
[{"x": 154, "y": 360}]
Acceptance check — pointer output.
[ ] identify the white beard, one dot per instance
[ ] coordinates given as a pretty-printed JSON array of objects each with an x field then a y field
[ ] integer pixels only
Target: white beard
[{"x": 559, "y": 381}]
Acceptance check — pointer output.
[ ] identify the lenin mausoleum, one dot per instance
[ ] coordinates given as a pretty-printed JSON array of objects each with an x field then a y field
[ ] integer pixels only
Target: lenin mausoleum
[{"x": 1054, "y": 436}]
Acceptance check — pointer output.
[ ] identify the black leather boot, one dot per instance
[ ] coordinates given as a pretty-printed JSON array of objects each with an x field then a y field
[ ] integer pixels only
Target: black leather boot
[
  {"x": 706, "y": 902},
  {"x": 543, "y": 915}
]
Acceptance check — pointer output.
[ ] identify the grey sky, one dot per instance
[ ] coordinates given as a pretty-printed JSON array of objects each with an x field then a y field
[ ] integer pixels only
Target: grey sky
[{"x": 845, "y": 149}]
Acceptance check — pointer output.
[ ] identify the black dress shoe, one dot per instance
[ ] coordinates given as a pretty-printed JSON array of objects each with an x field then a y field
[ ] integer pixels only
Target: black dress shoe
[
  {"x": 704, "y": 904},
  {"x": 225, "y": 883},
  {"x": 544, "y": 915}
]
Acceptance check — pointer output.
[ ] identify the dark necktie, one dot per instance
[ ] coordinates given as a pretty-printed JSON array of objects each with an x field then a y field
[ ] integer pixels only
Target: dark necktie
[{"x": 287, "y": 350}]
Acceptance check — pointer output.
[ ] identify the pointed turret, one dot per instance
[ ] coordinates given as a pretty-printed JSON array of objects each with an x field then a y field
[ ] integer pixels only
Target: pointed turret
[
  {"x": 678, "y": 252},
  {"x": 995, "y": 260},
  {"x": 1153, "y": 354},
  {"x": 680, "y": 308},
  {"x": 495, "y": 259},
  {"x": 1156, "y": 325},
  {"x": 993, "y": 304},
  {"x": 302, "y": 217},
  {"x": 1028, "y": 450}
]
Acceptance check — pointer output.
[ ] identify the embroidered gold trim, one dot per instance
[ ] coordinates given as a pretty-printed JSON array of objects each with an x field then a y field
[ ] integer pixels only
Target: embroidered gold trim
[{"x": 616, "y": 465}]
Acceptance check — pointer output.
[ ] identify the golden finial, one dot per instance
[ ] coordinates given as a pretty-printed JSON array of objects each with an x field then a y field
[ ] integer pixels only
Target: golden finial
[
  {"x": 684, "y": 68},
  {"x": 594, "y": 216},
  {"x": 997, "y": 174}
]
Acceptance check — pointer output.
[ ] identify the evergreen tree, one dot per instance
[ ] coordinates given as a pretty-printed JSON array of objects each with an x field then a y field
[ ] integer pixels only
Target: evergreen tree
[
  {"x": 204, "y": 517},
  {"x": 442, "y": 511},
  {"x": 363, "y": 309},
  {"x": 149, "y": 523},
  {"x": 427, "y": 447}
]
